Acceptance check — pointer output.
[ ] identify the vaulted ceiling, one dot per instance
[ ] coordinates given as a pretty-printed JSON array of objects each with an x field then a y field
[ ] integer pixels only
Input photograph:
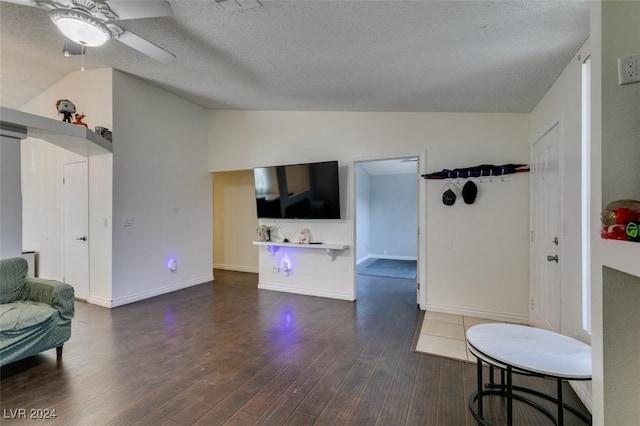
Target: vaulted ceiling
[{"x": 467, "y": 56}]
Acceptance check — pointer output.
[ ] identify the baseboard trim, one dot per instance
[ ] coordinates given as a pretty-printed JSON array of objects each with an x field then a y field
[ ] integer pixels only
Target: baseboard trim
[
  {"x": 114, "y": 303},
  {"x": 305, "y": 291},
  {"x": 384, "y": 256},
  {"x": 582, "y": 390},
  {"x": 391, "y": 256},
  {"x": 496, "y": 316},
  {"x": 100, "y": 301},
  {"x": 237, "y": 268}
]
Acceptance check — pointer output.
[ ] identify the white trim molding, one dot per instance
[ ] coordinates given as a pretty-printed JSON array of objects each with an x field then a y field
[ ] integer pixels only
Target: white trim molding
[
  {"x": 237, "y": 268},
  {"x": 114, "y": 303},
  {"x": 495, "y": 316},
  {"x": 305, "y": 291}
]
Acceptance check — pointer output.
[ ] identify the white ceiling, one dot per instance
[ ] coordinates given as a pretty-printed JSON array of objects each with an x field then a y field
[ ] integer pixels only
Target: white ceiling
[{"x": 467, "y": 56}]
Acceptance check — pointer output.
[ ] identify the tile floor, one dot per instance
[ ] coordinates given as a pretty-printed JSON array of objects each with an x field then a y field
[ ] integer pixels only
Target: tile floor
[{"x": 444, "y": 335}]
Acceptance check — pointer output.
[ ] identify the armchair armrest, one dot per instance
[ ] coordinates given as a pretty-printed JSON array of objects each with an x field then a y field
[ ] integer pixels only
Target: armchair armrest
[{"x": 55, "y": 293}]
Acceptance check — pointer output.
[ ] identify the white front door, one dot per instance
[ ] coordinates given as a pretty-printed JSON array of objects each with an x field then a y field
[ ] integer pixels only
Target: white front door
[
  {"x": 76, "y": 227},
  {"x": 546, "y": 231}
]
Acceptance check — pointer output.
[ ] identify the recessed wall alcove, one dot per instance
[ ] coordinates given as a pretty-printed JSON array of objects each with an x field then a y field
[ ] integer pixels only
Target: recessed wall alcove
[{"x": 621, "y": 338}]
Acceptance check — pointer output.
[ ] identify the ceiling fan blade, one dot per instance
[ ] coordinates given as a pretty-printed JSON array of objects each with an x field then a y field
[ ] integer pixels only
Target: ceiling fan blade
[
  {"x": 137, "y": 9},
  {"x": 32, "y": 3},
  {"x": 146, "y": 47}
]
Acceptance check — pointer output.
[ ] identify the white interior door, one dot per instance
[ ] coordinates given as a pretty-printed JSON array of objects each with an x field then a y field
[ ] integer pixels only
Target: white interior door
[
  {"x": 545, "y": 233},
  {"x": 76, "y": 227}
]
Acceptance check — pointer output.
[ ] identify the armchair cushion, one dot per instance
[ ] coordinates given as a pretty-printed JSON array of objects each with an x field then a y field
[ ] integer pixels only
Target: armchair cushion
[
  {"x": 12, "y": 276},
  {"x": 16, "y": 317},
  {"x": 60, "y": 296}
]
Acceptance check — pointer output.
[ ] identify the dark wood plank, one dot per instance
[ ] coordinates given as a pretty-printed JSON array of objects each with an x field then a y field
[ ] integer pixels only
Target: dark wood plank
[
  {"x": 242, "y": 418},
  {"x": 423, "y": 408},
  {"x": 450, "y": 393},
  {"x": 299, "y": 418},
  {"x": 281, "y": 411}
]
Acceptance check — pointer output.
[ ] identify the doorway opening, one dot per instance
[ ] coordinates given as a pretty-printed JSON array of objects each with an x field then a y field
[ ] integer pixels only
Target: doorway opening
[{"x": 386, "y": 226}]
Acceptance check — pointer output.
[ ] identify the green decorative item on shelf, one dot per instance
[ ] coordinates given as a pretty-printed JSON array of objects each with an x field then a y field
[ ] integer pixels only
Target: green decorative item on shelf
[
  {"x": 621, "y": 220},
  {"x": 633, "y": 231},
  {"x": 264, "y": 233}
]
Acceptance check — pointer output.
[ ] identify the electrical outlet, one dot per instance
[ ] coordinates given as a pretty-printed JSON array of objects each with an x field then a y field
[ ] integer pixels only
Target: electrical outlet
[{"x": 628, "y": 69}]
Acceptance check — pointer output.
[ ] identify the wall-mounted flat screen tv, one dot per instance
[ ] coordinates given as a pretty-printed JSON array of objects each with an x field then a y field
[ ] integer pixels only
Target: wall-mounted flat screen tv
[{"x": 298, "y": 191}]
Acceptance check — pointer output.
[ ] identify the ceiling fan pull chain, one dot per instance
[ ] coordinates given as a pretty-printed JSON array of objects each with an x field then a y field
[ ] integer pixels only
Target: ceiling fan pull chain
[{"x": 82, "y": 58}]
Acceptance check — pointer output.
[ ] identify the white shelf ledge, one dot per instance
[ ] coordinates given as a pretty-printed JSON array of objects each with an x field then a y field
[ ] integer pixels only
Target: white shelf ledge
[
  {"x": 621, "y": 255},
  {"x": 273, "y": 246},
  {"x": 72, "y": 137}
]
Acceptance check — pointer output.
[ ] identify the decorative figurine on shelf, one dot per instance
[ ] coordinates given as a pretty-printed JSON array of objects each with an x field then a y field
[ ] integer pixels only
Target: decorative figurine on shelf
[
  {"x": 621, "y": 221},
  {"x": 264, "y": 233},
  {"x": 303, "y": 236},
  {"x": 66, "y": 108},
  {"x": 78, "y": 120},
  {"x": 105, "y": 133}
]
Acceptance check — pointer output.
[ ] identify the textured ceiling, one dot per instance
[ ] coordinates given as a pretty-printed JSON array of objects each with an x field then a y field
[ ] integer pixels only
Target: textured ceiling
[{"x": 475, "y": 56}]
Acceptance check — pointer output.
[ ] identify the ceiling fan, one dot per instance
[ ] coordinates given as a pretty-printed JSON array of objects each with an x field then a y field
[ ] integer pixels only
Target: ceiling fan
[{"x": 91, "y": 22}]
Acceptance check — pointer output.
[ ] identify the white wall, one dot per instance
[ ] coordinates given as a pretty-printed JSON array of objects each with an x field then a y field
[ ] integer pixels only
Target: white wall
[
  {"x": 394, "y": 215},
  {"x": 234, "y": 221},
  {"x": 616, "y": 288},
  {"x": 562, "y": 104},
  {"x": 463, "y": 276},
  {"x": 91, "y": 92},
  {"x": 169, "y": 197},
  {"x": 363, "y": 213},
  {"x": 160, "y": 180},
  {"x": 10, "y": 198},
  {"x": 100, "y": 226},
  {"x": 621, "y": 118},
  {"x": 42, "y": 203}
]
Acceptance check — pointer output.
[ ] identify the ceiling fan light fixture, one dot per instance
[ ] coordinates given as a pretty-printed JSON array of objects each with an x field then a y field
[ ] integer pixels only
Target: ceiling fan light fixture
[{"x": 80, "y": 27}]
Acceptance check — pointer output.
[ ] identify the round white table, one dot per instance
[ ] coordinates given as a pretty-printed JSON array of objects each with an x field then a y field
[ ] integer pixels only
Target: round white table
[{"x": 530, "y": 351}]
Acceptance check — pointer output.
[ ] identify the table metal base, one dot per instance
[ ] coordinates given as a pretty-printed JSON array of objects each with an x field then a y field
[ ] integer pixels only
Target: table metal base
[{"x": 507, "y": 389}]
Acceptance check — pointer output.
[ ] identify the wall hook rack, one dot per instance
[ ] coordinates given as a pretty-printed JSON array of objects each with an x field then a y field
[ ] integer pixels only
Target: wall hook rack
[{"x": 484, "y": 170}]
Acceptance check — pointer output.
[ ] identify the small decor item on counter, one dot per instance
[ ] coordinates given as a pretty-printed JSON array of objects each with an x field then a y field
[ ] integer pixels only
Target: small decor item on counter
[
  {"x": 621, "y": 221},
  {"x": 303, "y": 236},
  {"x": 105, "y": 133},
  {"x": 66, "y": 108},
  {"x": 264, "y": 233},
  {"x": 78, "y": 120}
]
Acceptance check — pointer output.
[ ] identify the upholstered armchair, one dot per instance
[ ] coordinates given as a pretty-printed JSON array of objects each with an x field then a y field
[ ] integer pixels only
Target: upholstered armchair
[{"x": 35, "y": 314}]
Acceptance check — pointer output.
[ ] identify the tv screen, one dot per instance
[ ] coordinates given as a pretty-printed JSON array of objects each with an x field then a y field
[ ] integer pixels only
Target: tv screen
[{"x": 298, "y": 191}]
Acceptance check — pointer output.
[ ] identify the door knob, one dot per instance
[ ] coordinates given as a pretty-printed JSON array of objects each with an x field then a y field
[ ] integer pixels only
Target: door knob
[
  {"x": 553, "y": 258},
  {"x": 82, "y": 239}
]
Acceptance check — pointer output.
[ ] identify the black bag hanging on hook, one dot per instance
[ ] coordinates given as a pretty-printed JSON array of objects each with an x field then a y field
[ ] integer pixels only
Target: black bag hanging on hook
[
  {"x": 469, "y": 192},
  {"x": 449, "y": 195}
]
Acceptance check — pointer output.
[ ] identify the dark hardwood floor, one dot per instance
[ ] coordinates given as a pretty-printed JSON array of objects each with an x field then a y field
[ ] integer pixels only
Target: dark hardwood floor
[{"x": 227, "y": 353}]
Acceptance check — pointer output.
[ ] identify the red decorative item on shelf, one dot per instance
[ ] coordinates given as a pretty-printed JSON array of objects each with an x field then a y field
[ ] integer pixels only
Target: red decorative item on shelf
[
  {"x": 621, "y": 221},
  {"x": 78, "y": 120}
]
